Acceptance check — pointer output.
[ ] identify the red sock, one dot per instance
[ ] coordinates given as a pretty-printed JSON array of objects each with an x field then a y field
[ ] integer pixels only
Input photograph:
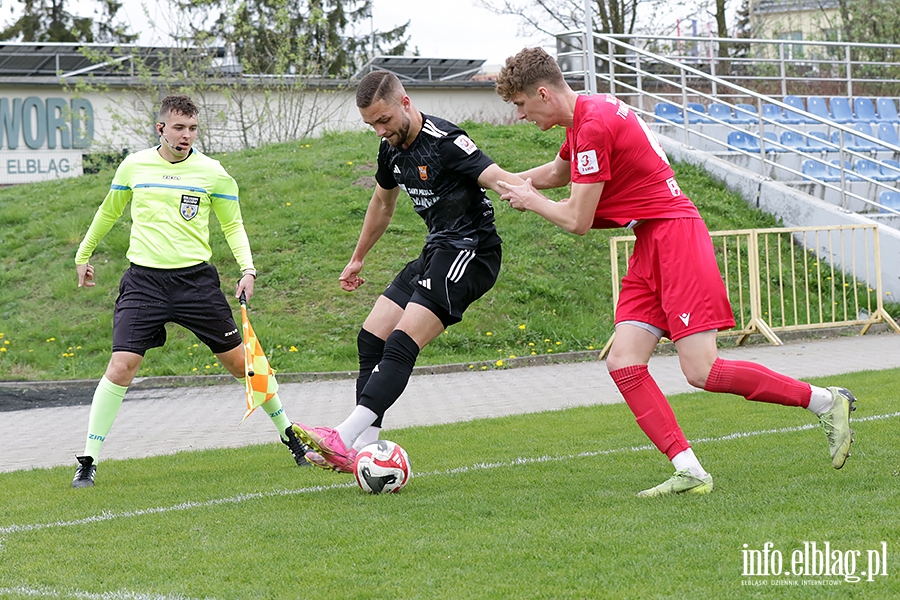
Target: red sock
[
  {"x": 756, "y": 382},
  {"x": 651, "y": 409}
]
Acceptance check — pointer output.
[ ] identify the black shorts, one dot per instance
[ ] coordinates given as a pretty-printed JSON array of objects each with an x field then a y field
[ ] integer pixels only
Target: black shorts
[
  {"x": 191, "y": 297},
  {"x": 446, "y": 280}
]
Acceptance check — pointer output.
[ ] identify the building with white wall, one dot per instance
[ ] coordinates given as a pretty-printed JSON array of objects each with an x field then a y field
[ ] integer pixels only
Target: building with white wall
[{"x": 60, "y": 102}]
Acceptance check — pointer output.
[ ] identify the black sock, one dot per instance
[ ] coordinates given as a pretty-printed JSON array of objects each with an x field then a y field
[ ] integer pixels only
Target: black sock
[
  {"x": 388, "y": 380},
  {"x": 371, "y": 351}
]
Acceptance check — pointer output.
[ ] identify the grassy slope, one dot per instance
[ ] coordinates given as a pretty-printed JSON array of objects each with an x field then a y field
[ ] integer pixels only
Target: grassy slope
[{"x": 303, "y": 205}]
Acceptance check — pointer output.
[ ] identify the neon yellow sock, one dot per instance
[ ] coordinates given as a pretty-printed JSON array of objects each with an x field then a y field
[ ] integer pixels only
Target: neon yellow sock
[
  {"x": 104, "y": 408},
  {"x": 274, "y": 409}
]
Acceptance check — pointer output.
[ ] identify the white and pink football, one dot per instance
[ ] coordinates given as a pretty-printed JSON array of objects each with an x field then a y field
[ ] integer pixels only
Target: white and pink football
[{"x": 382, "y": 468}]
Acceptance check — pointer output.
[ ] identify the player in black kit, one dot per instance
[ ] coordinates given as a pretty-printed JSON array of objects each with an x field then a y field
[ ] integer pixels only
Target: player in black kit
[{"x": 444, "y": 173}]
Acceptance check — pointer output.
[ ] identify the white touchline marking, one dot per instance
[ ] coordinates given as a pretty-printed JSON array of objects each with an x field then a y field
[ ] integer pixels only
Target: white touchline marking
[
  {"x": 109, "y": 516},
  {"x": 45, "y": 592}
]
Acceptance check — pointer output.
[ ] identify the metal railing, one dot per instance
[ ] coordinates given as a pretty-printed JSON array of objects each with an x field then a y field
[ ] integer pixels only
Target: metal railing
[
  {"x": 642, "y": 79},
  {"x": 790, "y": 279},
  {"x": 774, "y": 67}
]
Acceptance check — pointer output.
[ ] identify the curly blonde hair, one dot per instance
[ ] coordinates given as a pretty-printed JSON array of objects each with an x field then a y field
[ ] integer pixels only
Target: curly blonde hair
[{"x": 526, "y": 71}]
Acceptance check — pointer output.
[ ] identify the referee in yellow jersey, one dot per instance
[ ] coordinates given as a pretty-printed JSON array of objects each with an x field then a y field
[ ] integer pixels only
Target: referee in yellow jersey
[{"x": 172, "y": 188}]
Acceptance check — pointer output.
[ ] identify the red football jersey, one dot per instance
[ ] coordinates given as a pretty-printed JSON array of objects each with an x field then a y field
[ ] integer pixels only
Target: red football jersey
[{"x": 610, "y": 143}]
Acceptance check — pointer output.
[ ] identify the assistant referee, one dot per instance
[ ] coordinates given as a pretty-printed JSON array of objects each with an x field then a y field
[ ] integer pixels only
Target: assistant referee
[{"x": 172, "y": 188}]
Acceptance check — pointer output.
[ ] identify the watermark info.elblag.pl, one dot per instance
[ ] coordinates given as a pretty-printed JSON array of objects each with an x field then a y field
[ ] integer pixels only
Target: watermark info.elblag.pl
[{"x": 813, "y": 563}]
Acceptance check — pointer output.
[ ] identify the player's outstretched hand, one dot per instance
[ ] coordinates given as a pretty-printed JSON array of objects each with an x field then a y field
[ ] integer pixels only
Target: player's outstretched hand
[
  {"x": 350, "y": 279},
  {"x": 518, "y": 196},
  {"x": 85, "y": 275}
]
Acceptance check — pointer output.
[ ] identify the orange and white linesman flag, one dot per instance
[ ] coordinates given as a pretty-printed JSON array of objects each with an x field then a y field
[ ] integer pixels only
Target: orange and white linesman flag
[{"x": 259, "y": 379}]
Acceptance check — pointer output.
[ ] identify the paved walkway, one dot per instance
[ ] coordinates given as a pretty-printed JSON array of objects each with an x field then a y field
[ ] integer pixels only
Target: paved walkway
[{"x": 155, "y": 421}]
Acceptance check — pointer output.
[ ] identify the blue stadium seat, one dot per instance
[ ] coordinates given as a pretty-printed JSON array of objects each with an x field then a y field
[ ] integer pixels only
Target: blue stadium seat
[
  {"x": 840, "y": 110},
  {"x": 887, "y": 110},
  {"x": 668, "y": 112},
  {"x": 817, "y": 106},
  {"x": 891, "y": 170},
  {"x": 741, "y": 140},
  {"x": 852, "y": 143},
  {"x": 745, "y": 113},
  {"x": 794, "y": 140},
  {"x": 721, "y": 112},
  {"x": 772, "y": 143},
  {"x": 815, "y": 141},
  {"x": 814, "y": 170},
  {"x": 864, "y": 110},
  {"x": 697, "y": 113},
  {"x": 748, "y": 142},
  {"x": 888, "y": 134},
  {"x": 866, "y": 128},
  {"x": 797, "y": 102},
  {"x": 890, "y": 199},
  {"x": 774, "y": 112},
  {"x": 868, "y": 168},
  {"x": 834, "y": 170}
]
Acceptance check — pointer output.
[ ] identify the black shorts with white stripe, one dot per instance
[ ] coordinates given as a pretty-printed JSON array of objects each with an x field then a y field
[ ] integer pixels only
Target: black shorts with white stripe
[{"x": 446, "y": 280}]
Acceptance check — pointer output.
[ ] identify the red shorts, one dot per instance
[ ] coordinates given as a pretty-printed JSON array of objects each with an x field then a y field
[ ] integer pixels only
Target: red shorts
[{"x": 673, "y": 280}]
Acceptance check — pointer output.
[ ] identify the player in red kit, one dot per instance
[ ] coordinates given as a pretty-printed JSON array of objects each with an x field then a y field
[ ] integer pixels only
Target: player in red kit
[{"x": 620, "y": 177}]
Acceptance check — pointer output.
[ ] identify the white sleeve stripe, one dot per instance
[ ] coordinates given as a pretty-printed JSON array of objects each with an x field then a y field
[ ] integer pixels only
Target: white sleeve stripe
[{"x": 429, "y": 128}]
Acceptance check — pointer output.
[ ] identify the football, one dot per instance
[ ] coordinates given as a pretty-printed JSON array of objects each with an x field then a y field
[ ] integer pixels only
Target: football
[{"x": 382, "y": 468}]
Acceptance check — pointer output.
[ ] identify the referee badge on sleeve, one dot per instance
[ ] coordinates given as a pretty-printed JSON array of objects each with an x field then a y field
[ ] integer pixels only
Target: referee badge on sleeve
[{"x": 190, "y": 206}]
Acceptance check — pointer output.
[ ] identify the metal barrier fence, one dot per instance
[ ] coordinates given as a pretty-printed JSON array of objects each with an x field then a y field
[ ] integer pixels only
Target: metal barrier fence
[{"x": 790, "y": 279}]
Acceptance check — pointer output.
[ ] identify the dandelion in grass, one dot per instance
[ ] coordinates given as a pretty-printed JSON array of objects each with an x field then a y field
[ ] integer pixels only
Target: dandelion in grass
[
  {"x": 51, "y": 340},
  {"x": 522, "y": 326},
  {"x": 499, "y": 363},
  {"x": 3, "y": 349},
  {"x": 293, "y": 349},
  {"x": 489, "y": 333}
]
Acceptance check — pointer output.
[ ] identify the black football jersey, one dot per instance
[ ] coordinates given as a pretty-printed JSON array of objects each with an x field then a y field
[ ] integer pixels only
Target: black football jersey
[{"x": 440, "y": 171}]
